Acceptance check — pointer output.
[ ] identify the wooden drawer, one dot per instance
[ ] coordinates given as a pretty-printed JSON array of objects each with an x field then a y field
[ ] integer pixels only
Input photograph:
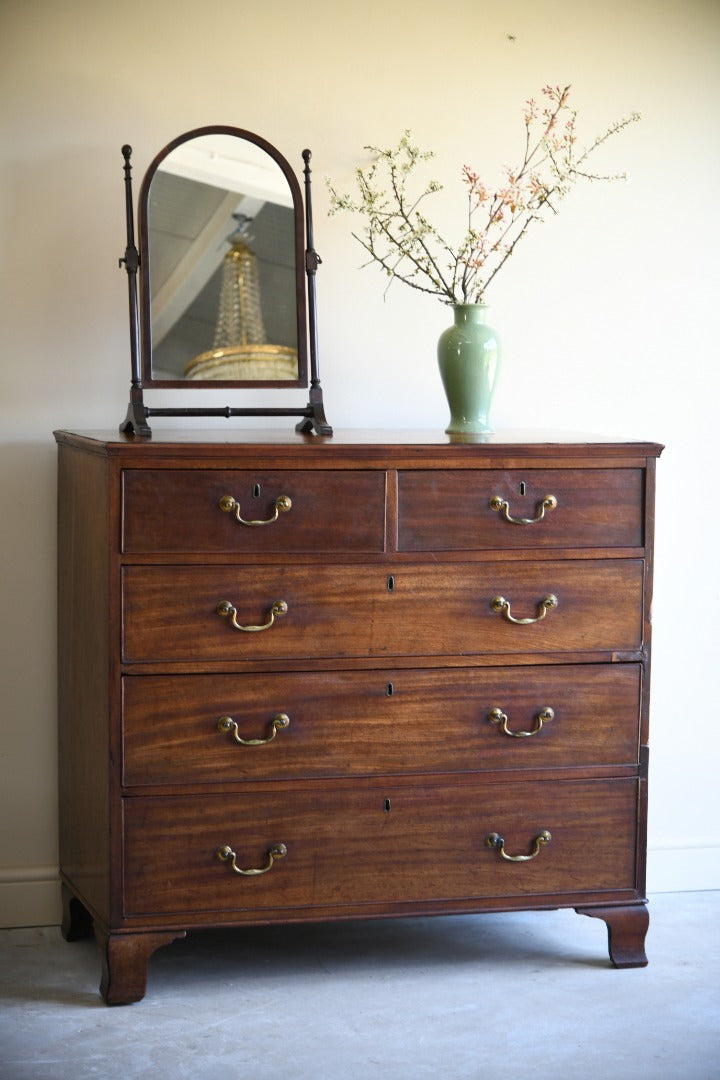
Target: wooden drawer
[
  {"x": 452, "y": 511},
  {"x": 171, "y": 614},
  {"x": 357, "y": 723},
  {"x": 371, "y": 841},
  {"x": 178, "y": 510}
]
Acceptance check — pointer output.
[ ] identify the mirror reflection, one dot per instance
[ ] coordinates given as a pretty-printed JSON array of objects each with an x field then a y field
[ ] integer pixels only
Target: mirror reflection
[{"x": 222, "y": 265}]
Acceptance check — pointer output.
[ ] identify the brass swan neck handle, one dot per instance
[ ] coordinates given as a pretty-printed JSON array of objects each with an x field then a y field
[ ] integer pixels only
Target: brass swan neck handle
[
  {"x": 502, "y": 606},
  {"x": 494, "y": 840},
  {"x": 502, "y": 506},
  {"x": 229, "y": 504}
]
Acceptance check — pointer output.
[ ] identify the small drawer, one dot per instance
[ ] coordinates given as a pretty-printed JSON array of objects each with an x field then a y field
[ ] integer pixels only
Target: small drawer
[
  {"x": 186, "y": 614},
  {"x": 479, "y": 510},
  {"x": 200, "y": 729},
  {"x": 322, "y": 845},
  {"x": 198, "y": 510}
]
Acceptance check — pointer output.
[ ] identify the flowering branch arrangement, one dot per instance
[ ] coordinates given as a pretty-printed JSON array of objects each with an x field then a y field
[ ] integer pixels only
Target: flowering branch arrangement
[{"x": 399, "y": 237}]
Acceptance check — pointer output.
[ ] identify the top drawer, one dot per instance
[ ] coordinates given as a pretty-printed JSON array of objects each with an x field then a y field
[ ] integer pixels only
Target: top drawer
[
  {"x": 179, "y": 510},
  {"x": 537, "y": 508}
]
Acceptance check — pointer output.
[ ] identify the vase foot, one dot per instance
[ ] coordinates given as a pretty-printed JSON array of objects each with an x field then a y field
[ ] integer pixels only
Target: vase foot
[{"x": 469, "y": 436}]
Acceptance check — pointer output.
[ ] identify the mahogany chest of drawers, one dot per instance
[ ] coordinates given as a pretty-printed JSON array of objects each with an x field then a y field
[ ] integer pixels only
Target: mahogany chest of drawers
[{"x": 374, "y": 675}]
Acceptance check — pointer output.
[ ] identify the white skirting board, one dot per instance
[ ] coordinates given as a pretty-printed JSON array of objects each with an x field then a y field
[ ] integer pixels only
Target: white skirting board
[
  {"x": 30, "y": 896},
  {"x": 691, "y": 868}
]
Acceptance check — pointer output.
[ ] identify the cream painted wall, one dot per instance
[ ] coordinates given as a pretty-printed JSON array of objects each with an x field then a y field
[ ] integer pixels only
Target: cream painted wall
[{"x": 609, "y": 314}]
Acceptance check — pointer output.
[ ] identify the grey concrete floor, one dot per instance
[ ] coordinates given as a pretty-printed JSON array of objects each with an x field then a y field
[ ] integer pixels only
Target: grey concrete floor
[{"x": 486, "y": 997}]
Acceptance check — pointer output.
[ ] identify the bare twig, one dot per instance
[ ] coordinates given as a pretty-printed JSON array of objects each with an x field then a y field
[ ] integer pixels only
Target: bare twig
[{"x": 402, "y": 241}]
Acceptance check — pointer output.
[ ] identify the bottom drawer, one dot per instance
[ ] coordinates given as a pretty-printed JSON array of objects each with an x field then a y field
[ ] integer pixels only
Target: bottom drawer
[{"x": 375, "y": 842}]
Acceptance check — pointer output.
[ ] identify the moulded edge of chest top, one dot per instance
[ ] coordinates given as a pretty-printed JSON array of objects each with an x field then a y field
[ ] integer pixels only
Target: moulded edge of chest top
[{"x": 356, "y": 449}]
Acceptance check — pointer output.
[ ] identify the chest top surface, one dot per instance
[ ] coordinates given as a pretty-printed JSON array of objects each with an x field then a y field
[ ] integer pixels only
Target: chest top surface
[{"x": 354, "y": 444}]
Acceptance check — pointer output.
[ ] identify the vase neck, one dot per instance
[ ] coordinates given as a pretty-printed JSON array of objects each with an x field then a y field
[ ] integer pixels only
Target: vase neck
[{"x": 469, "y": 313}]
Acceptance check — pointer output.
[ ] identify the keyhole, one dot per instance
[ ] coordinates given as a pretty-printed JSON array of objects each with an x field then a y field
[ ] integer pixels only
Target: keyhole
[
  {"x": 391, "y": 583},
  {"x": 256, "y": 491},
  {"x": 386, "y": 806},
  {"x": 522, "y": 487},
  {"x": 390, "y": 689}
]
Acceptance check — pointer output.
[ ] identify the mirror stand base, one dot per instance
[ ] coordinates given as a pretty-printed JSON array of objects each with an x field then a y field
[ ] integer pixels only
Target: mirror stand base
[
  {"x": 313, "y": 416},
  {"x": 135, "y": 422}
]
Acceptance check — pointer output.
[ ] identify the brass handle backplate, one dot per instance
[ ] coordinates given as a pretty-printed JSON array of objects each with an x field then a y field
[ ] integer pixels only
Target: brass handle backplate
[
  {"x": 226, "y": 854},
  {"x": 228, "y": 503},
  {"x": 226, "y": 609},
  {"x": 549, "y": 502},
  {"x": 501, "y": 605},
  {"x": 497, "y": 716},
  {"x": 279, "y": 723},
  {"x": 494, "y": 840}
]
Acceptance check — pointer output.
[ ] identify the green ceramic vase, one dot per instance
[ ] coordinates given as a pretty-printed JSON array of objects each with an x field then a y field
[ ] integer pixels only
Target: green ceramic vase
[{"x": 469, "y": 360}]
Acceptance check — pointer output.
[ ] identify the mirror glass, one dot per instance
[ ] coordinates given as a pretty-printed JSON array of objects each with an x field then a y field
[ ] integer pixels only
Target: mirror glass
[{"x": 222, "y": 268}]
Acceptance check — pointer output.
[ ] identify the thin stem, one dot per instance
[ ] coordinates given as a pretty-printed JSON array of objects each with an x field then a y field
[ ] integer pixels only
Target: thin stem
[
  {"x": 418, "y": 237},
  {"x": 410, "y": 249}
]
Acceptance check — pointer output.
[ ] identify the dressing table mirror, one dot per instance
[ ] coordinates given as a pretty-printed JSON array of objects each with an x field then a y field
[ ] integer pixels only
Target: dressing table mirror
[{"x": 217, "y": 287}]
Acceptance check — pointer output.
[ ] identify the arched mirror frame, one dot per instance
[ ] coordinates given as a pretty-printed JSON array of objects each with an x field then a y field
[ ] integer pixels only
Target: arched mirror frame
[
  {"x": 306, "y": 263},
  {"x": 146, "y": 344}
]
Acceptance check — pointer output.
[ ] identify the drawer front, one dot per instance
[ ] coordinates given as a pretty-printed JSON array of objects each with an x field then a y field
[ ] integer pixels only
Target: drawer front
[
  {"x": 179, "y": 511},
  {"x": 171, "y": 614},
  {"x": 376, "y": 841},
  {"x": 454, "y": 511},
  {"x": 185, "y": 729}
]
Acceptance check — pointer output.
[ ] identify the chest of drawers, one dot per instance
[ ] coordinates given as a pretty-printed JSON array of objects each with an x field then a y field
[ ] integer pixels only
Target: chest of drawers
[{"x": 311, "y": 679}]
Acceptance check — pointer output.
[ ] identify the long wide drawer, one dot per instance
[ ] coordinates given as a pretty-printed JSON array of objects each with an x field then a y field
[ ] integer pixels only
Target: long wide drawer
[
  {"x": 214, "y": 510},
  {"x": 378, "y": 840},
  {"x": 191, "y": 729},
  {"x": 275, "y": 612},
  {"x": 536, "y": 508}
]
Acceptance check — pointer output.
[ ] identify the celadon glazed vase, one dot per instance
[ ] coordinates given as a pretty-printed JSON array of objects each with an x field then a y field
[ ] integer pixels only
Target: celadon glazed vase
[{"x": 469, "y": 360}]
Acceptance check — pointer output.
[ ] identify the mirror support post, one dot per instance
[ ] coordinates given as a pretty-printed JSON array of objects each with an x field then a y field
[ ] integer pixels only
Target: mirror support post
[
  {"x": 135, "y": 421},
  {"x": 316, "y": 420}
]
